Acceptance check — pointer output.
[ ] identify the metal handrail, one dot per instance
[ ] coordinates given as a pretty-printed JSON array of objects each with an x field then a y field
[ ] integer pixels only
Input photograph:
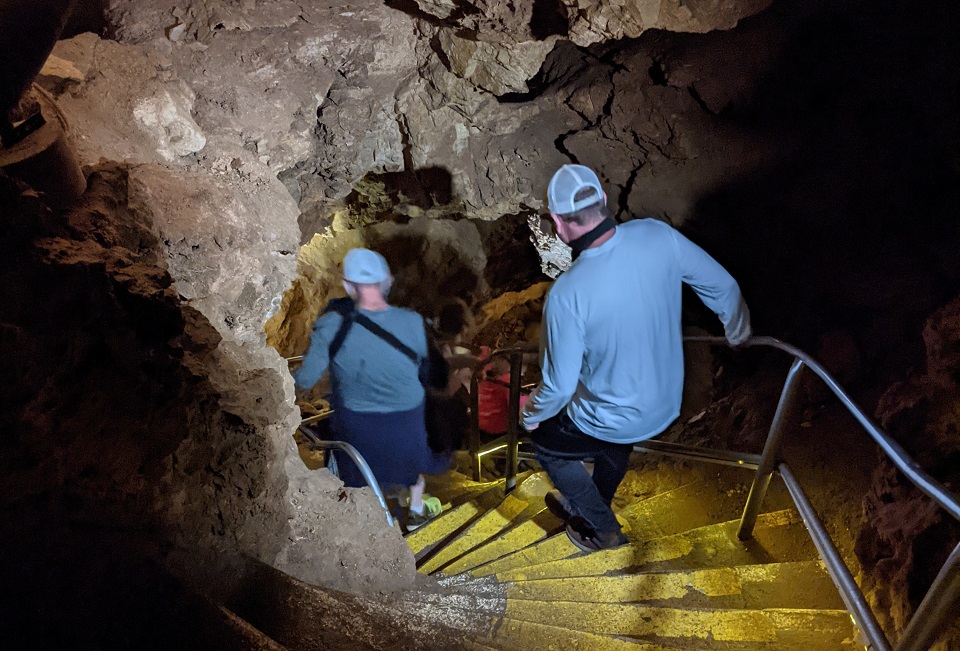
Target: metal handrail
[
  {"x": 901, "y": 459},
  {"x": 515, "y": 355},
  {"x": 354, "y": 454},
  {"x": 943, "y": 597}
]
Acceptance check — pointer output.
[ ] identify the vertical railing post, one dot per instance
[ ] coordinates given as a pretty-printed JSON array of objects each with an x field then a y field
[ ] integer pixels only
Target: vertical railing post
[
  {"x": 474, "y": 433},
  {"x": 513, "y": 421},
  {"x": 938, "y": 608},
  {"x": 771, "y": 453}
]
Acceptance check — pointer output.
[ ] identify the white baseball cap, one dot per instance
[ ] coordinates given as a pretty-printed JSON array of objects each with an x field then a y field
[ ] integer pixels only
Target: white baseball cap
[
  {"x": 365, "y": 267},
  {"x": 566, "y": 182}
]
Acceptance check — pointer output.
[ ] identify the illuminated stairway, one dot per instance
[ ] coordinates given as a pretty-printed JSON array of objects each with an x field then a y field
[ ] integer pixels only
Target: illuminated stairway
[{"x": 685, "y": 581}]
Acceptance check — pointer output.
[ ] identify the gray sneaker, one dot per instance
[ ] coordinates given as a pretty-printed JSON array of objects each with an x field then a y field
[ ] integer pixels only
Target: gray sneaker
[{"x": 598, "y": 541}]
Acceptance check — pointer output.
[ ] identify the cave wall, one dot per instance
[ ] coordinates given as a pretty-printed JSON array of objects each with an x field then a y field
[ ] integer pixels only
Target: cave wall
[
  {"x": 811, "y": 146},
  {"x": 125, "y": 411}
]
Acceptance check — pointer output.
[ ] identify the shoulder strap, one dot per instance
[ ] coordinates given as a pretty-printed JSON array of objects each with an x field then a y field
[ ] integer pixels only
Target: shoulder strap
[
  {"x": 337, "y": 341},
  {"x": 387, "y": 336}
]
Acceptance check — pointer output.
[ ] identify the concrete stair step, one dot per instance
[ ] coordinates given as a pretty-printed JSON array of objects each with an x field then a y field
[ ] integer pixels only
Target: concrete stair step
[
  {"x": 430, "y": 536},
  {"x": 479, "y": 531},
  {"x": 443, "y": 538},
  {"x": 523, "y": 535},
  {"x": 778, "y": 537},
  {"x": 803, "y": 584},
  {"x": 478, "y": 605},
  {"x": 699, "y": 502},
  {"x": 467, "y": 582},
  {"x": 675, "y": 627},
  {"x": 795, "y": 630},
  {"x": 455, "y": 488},
  {"x": 554, "y": 548},
  {"x": 518, "y": 635},
  {"x": 464, "y": 501}
]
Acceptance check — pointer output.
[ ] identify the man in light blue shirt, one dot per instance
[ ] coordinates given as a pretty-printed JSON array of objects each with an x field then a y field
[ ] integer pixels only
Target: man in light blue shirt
[{"x": 611, "y": 348}]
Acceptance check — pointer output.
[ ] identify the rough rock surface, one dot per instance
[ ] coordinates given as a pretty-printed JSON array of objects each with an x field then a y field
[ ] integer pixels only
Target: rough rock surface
[
  {"x": 122, "y": 103},
  {"x": 597, "y": 21},
  {"x": 908, "y": 537},
  {"x": 228, "y": 231},
  {"x": 125, "y": 408}
]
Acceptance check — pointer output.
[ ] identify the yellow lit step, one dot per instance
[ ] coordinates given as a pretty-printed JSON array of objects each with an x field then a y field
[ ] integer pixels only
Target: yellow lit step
[
  {"x": 802, "y": 584},
  {"x": 485, "y": 527},
  {"x": 690, "y": 506},
  {"x": 778, "y": 537},
  {"x": 820, "y": 629},
  {"x": 552, "y": 549},
  {"x": 515, "y": 635},
  {"x": 453, "y": 520},
  {"x": 455, "y": 488},
  {"x": 518, "y": 537},
  {"x": 441, "y": 527}
]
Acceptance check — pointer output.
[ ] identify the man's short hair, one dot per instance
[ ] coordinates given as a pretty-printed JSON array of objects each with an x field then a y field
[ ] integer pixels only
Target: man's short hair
[
  {"x": 593, "y": 213},
  {"x": 575, "y": 195}
]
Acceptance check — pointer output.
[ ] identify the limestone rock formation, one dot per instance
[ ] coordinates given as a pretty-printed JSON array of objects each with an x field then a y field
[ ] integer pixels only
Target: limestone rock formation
[
  {"x": 594, "y": 21},
  {"x": 226, "y": 229},
  {"x": 498, "y": 67},
  {"x": 908, "y": 537},
  {"x": 154, "y": 420},
  {"x": 124, "y": 104},
  {"x": 397, "y": 106}
]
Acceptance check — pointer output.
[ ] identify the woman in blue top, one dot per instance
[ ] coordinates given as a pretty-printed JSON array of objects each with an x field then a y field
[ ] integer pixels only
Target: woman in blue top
[{"x": 377, "y": 396}]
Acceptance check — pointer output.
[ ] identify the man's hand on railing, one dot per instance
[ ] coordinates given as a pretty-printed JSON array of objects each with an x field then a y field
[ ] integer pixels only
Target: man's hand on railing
[{"x": 739, "y": 345}]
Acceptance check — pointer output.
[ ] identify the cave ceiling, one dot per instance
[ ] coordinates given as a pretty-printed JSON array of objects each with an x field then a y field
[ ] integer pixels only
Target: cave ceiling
[{"x": 324, "y": 96}]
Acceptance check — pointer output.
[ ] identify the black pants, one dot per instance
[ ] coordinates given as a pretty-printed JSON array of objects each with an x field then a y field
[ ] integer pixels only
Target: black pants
[{"x": 561, "y": 448}]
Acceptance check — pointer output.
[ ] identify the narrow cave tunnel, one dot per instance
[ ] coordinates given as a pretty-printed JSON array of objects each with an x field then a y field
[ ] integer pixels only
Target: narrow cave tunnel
[{"x": 180, "y": 182}]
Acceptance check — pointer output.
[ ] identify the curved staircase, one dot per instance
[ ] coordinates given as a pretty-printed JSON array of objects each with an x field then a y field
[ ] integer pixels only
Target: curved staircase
[{"x": 685, "y": 581}]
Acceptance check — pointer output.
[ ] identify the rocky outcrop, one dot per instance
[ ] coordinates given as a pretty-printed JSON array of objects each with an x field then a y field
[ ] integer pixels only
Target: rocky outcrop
[
  {"x": 594, "y": 22},
  {"x": 325, "y": 115},
  {"x": 125, "y": 409},
  {"x": 225, "y": 228},
  {"x": 908, "y": 537}
]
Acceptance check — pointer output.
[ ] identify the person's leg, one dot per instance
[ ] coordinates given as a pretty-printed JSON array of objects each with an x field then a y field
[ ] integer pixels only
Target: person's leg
[
  {"x": 575, "y": 484},
  {"x": 416, "y": 495},
  {"x": 609, "y": 469},
  {"x": 560, "y": 449}
]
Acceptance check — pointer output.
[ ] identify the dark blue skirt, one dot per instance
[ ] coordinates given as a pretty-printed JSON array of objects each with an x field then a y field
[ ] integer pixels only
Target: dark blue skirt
[{"x": 394, "y": 445}]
